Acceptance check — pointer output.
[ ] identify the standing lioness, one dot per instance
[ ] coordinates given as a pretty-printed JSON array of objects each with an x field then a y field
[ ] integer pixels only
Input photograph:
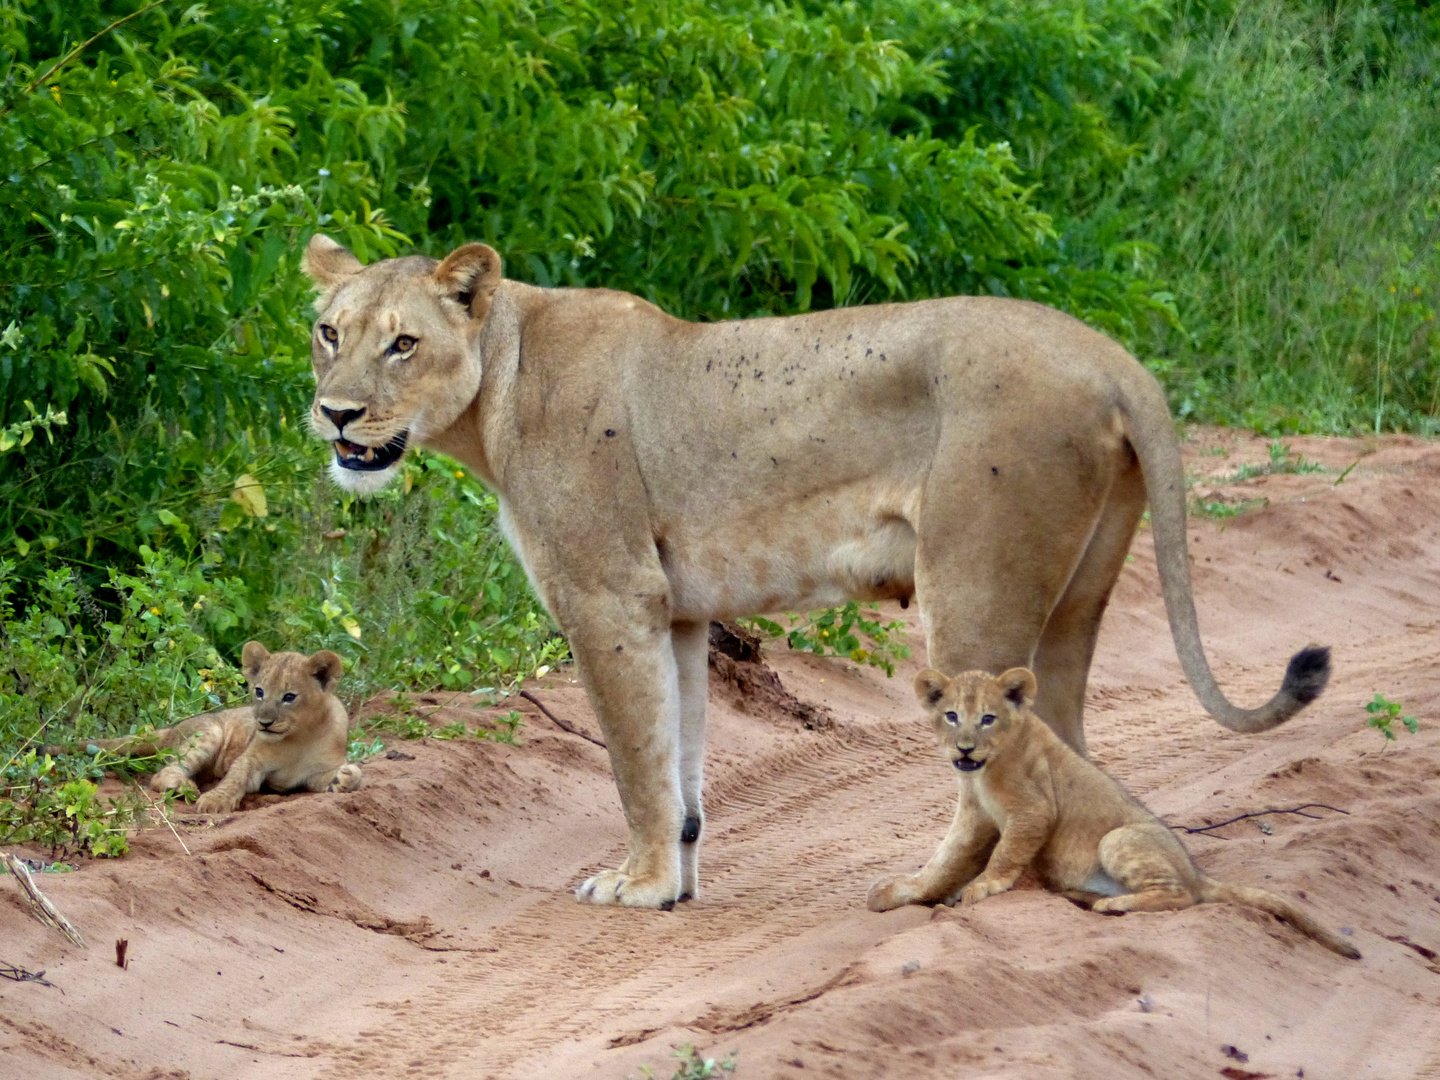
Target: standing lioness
[
  {"x": 992, "y": 457},
  {"x": 1045, "y": 806}
]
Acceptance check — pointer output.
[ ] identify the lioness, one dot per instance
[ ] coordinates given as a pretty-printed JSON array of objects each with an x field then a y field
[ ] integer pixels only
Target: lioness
[
  {"x": 292, "y": 738},
  {"x": 991, "y": 457},
  {"x": 1042, "y": 804}
]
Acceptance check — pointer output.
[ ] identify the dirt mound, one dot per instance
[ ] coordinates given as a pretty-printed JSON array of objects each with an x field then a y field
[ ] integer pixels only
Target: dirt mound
[{"x": 423, "y": 926}]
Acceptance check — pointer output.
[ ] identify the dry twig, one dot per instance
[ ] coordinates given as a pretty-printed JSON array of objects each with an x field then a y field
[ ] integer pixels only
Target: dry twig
[
  {"x": 561, "y": 724},
  {"x": 40, "y": 906},
  {"x": 19, "y": 974},
  {"x": 1298, "y": 811}
]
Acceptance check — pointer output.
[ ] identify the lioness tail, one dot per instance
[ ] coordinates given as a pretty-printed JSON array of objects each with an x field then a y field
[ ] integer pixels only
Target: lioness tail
[{"x": 1151, "y": 432}]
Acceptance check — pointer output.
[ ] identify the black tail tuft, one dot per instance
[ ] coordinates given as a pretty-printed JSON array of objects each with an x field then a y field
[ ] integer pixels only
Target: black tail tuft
[{"x": 1307, "y": 674}]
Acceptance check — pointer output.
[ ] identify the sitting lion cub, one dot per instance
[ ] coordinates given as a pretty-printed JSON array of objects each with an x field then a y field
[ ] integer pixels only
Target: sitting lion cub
[
  {"x": 1027, "y": 799},
  {"x": 293, "y": 737}
]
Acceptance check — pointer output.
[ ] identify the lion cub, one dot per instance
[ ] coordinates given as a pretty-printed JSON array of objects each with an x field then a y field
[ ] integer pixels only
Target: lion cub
[
  {"x": 293, "y": 737},
  {"x": 1027, "y": 799}
]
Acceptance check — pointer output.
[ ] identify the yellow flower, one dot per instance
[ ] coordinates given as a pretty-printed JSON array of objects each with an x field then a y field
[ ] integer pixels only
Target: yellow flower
[
  {"x": 154, "y": 611},
  {"x": 459, "y": 475}
]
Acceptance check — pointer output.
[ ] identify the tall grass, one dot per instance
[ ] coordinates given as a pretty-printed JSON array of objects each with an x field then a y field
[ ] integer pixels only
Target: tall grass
[{"x": 1289, "y": 196}]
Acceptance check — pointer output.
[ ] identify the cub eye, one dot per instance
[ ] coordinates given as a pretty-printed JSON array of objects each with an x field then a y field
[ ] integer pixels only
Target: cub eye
[
  {"x": 288, "y": 698},
  {"x": 329, "y": 333},
  {"x": 952, "y": 718},
  {"x": 987, "y": 719},
  {"x": 259, "y": 692},
  {"x": 404, "y": 343}
]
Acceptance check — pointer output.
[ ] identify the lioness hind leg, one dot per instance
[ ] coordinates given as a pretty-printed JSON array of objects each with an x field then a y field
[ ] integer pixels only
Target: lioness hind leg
[
  {"x": 1062, "y": 659},
  {"x": 1149, "y": 861},
  {"x": 691, "y": 642}
]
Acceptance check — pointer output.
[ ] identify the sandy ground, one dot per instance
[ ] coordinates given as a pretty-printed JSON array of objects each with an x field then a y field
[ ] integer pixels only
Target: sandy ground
[{"x": 424, "y": 926}]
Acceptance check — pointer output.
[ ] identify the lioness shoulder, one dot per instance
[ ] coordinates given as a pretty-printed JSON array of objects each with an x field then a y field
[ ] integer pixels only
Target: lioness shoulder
[{"x": 1043, "y": 805}]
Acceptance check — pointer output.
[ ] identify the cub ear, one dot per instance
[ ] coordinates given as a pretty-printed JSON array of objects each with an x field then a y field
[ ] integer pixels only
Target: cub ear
[
  {"x": 327, "y": 669},
  {"x": 470, "y": 275},
  {"x": 252, "y": 659},
  {"x": 327, "y": 264},
  {"x": 930, "y": 687},
  {"x": 1018, "y": 685}
]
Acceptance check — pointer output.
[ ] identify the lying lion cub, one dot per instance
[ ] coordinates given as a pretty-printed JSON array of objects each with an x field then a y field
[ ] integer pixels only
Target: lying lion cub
[
  {"x": 293, "y": 737},
  {"x": 1035, "y": 801}
]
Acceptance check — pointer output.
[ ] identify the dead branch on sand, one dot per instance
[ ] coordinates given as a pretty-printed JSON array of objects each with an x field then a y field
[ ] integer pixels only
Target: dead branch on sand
[
  {"x": 561, "y": 724},
  {"x": 40, "y": 906},
  {"x": 1298, "y": 811},
  {"x": 19, "y": 974}
]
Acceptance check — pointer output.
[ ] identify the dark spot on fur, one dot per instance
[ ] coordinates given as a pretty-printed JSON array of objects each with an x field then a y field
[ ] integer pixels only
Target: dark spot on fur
[
  {"x": 609, "y": 432},
  {"x": 690, "y": 832},
  {"x": 667, "y": 905},
  {"x": 619, "y": 648},
  {"x": 994, "y": 471}
]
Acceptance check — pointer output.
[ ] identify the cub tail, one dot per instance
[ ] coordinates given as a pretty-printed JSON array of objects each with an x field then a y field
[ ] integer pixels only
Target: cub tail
[{"x": 1213, "y": 891}]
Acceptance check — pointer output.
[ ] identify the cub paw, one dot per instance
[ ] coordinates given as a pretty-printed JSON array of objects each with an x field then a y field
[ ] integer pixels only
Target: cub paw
[
  {"x": 214, "y": 802},
  {"x": 892, "y": 892},
  {"x": 347, "y": 778},
  {"x": 623, "y": 890},
  {"x": 979, "y": 890}
]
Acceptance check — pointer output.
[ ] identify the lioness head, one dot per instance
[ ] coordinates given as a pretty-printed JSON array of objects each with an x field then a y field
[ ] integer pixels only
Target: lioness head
[
  {"x": 393, "y": 351},
  {"x": 289, "y": 690},
  {"x": 975, "y": 714}
]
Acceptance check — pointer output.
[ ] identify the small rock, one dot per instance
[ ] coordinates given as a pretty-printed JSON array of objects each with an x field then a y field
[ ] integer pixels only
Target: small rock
[{"x": 909, "y": 967}]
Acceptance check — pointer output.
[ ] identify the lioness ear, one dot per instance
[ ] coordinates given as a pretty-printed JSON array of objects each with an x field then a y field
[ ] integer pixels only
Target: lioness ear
[
  {"x": 252, "y": 659},
  {"x": 326, "y": 263},
  {"x": 930, "y": 686},
  {"x": 470, "y": 275},
  {"x": 1018, "y": 685},
  {"x": 327, "y": 669}
]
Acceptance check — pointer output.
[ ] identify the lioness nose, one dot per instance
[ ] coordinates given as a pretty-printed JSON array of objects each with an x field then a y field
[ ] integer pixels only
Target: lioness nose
[{"x": 341, "y": 417}]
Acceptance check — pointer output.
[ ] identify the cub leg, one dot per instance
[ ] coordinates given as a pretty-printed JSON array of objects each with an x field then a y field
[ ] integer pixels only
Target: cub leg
[
  {"x": 345, "y": 778},
  {"x": 198, "y": 753},
  {"x": 1020, "y": 841},
  {"x": 1149, "y": 861},
  {"x": 245, "y": 776},
  {"x": 691, "y": 642},
  {"x": 629, "y": 668},
  {"x": 960, "y": 856}
]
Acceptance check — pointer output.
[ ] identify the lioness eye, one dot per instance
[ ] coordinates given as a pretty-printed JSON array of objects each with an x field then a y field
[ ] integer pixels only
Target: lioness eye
[
  {"x": 288, "y": 698},
  {"x": 404, "y": 343},
  {"x": 329, "y": 333},
  {"x": 951, "y": 718},
  {"x": 987, "y": 719},
  {"x": 260, "y": 693}
]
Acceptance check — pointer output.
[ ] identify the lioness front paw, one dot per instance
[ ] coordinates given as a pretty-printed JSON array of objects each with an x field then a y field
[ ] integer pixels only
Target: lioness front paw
[
  {"x": 347, "y": 778},
  {"x": 981, "y": 888},
  {"x": 215, "y": 802},
  {"x": 892, "y": 892},
  {"x": 623, "y": 890}
]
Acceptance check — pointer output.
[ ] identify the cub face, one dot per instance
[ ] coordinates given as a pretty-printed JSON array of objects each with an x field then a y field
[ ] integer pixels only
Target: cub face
[
  {"x": 393, "y": 351},
  {"x": 976, "y": 715},
  {"x": 289, "y": 690}
]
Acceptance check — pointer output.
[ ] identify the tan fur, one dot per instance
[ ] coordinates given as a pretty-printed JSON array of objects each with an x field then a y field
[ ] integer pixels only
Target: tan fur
[
  {"x": 991, "y": 457},
  {"x": 296, "y": 745},
  {"x": 1035, "y": 802}
]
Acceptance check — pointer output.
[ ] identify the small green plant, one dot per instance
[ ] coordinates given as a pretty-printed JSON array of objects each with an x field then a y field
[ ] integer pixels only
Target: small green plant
[
  {"x": 361, "y": 748},
  {"x": 1383, "y": 714},
  {"x": 691, "y": 1066},
  {"x": 1281, "y": 461},
  {"x": 1220, "y": 508},
  {"x": 847, "y": 631}
]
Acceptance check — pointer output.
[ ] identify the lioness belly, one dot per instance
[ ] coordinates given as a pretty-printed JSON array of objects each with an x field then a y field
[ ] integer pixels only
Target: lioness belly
[{"x": 827, "y": 551}]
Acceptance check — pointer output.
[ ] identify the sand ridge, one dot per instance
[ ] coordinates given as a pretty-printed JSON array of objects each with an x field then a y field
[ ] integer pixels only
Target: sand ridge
[{"x": 424, "y": 925}]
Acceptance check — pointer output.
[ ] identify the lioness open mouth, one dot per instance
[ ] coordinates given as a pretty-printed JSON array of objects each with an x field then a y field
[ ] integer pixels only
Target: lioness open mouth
[
  {"x": 350, "y": 455},
  {"x": 965, "y": 764}
]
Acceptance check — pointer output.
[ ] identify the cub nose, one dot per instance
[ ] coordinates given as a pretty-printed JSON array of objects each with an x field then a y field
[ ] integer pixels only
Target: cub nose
[{"x": 341, "y": 417}]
